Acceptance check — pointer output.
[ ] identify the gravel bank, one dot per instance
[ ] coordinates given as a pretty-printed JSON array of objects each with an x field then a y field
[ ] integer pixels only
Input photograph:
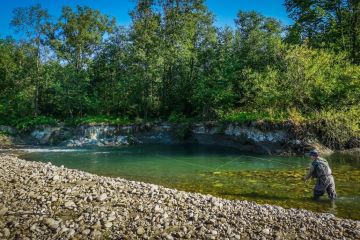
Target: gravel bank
[{"x": 42, "y": 201}]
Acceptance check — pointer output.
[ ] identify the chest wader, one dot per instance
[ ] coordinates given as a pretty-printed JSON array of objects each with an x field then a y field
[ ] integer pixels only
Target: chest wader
[{"x": 325, "y": 181}]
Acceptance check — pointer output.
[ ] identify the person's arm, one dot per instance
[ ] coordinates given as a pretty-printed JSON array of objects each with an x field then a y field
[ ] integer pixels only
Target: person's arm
[{"x": 310, "y": 172}]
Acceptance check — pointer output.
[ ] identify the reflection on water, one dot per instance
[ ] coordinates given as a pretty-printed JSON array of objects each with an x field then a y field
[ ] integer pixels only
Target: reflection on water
[{"x": 219, "y": 171}]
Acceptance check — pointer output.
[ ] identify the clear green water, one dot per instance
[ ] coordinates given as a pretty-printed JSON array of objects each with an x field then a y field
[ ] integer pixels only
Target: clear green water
[{"x": 218, "y": 171}]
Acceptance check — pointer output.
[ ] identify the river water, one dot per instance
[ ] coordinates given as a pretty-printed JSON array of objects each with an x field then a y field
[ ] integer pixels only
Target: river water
[{"x": 219, "y": 171}]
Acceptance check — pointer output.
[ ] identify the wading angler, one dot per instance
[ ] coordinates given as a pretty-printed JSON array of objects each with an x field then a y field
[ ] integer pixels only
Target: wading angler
[{"x": 320, "y": 169}]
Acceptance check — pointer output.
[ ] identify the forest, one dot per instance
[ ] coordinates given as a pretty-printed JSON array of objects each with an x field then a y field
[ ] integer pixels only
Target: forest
[{"x": 173, "y": 64}]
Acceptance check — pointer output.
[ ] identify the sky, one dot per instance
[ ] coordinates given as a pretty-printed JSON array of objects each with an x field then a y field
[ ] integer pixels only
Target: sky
[{"x": 224, "y": 10}]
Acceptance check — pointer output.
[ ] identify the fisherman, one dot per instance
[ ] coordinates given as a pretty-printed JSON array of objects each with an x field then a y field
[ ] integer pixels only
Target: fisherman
[{"x": 319, "y": 169}]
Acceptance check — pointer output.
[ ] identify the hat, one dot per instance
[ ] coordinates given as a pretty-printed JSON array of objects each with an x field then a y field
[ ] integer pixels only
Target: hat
[{"x": 314, "y": 153}]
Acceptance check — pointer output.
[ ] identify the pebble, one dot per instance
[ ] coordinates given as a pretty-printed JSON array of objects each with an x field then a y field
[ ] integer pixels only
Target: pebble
[
  {"x": 102, "y": 197},
  {"x": 86, "y": 232},
  {"x": 140, "y": 231},
  {"x": 108, "y": 225},
  {"x": 70, "y": 204},
  {"x": 52, "y": 223},
  {"x": 3, "y": 211},
  {"x": 6, "y": 232},
  {"x": 56, "y": 178}
]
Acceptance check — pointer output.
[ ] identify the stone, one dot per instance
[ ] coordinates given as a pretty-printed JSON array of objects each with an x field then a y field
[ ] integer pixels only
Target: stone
[
  {"x": 86, "y": 232},
  {"x": 169, "y": 237},
  {"x": 6, "y": 232},
  {"x": 102, "y": 197},
  {"x": 157, "y": 208},
  {"x": 56, "y": 178},
  {"x": 111, "y": 218},
  {"x": 108, "y": 225},
  {"x": 70, "y": 205},
  {"x": 53, "y": 198},
  {"x": 71, "y": 233},
  {"x": 140, "y": 231},
  {"x": 3, "y": 211},
  {"x": 52, "y": 223},
  {"x": 33, "y": 227},
  {"x": 96, "y": 234}
]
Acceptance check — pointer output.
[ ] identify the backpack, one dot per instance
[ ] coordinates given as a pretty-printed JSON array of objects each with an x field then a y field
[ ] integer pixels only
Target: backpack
[{"x": 321, "y": 168}]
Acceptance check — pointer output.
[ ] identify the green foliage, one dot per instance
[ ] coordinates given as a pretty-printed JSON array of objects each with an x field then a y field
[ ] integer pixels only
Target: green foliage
[
  {"x": 177, "y": 118},
  {"x": 29, "y": 123},
  {"x": 326, "y": 24},
  {"x": 240, "y": 116},
  {"x": 336, "y": 127},
  {"x": 102, "y": 119}
]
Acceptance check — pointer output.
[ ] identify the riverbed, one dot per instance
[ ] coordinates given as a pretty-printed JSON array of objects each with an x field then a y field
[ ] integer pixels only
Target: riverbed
[{"x": 219, "y": 171}]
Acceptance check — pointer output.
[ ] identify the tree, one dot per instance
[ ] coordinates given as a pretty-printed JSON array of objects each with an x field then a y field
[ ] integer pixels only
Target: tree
[
  {"x": 32, "y": 21},
  {"x": 257, "y": 45},
  {"x": 187, "y": 30},
  {"x": 146, "y": 60},
  {"x": 75, "y": 38},
  {"x": 333, "y": 24},
  {"x": 213, "y": 90},
  {"x": 111, "y": 76}
]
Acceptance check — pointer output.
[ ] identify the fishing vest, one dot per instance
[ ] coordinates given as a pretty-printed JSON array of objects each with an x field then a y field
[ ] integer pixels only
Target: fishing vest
[{"x": 321, "y": 168}]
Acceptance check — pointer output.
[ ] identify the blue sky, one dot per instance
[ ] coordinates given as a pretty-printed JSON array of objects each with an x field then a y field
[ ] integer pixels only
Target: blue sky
[{"x": 225, "y": 10}]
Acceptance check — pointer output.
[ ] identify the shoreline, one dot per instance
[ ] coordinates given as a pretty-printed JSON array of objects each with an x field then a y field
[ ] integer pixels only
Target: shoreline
[{"x": 42, "y": 201}]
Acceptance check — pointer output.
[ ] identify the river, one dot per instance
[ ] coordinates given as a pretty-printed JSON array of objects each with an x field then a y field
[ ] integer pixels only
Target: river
[{"x": 219, "y": 171}]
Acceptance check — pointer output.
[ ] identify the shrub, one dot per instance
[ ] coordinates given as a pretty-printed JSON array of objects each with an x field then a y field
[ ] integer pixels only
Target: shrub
[
  {"x": 336, "y": 128},
  {"x": 99, "y": 119},
  {"x": 28, "y": 123}
]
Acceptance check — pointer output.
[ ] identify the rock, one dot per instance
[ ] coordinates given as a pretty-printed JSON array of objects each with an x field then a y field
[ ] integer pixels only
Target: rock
[
  {"x": 169, "y": 237},
  {"x": 33, "y": 227},
  {"x": 70, "y": 205},
  {"x": 266, "y": 231},
  {"x": 6, "y": 232},
  {"x": 140, "y": 231},
  {"x": 56, "y": 178},
  {"x": 102, "y": 197},
  {"x": 96, "y": 226},
  {"x": 71, "y": 233},
  {"x": 64, "y": 229},
  {"x": 111, "y": 218},
  {"x": 96, "y": 234},
  {"x": 157, "y": 208},
  {"x": 3, "y": 211},
  {"x": 52, "y": 223},
  {"x": 86, "y": 232},
  {"x": 108, "y": 225}
]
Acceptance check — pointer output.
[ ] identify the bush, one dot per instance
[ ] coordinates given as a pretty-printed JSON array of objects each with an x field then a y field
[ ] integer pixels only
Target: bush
[
  {"x": 242, "y": 116},
  {"x": 99, "y": 120},
  {"x": 28, "y": 123},
  {"x": 336, "y": 128},
  {"x": 177, "y": 118}
]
